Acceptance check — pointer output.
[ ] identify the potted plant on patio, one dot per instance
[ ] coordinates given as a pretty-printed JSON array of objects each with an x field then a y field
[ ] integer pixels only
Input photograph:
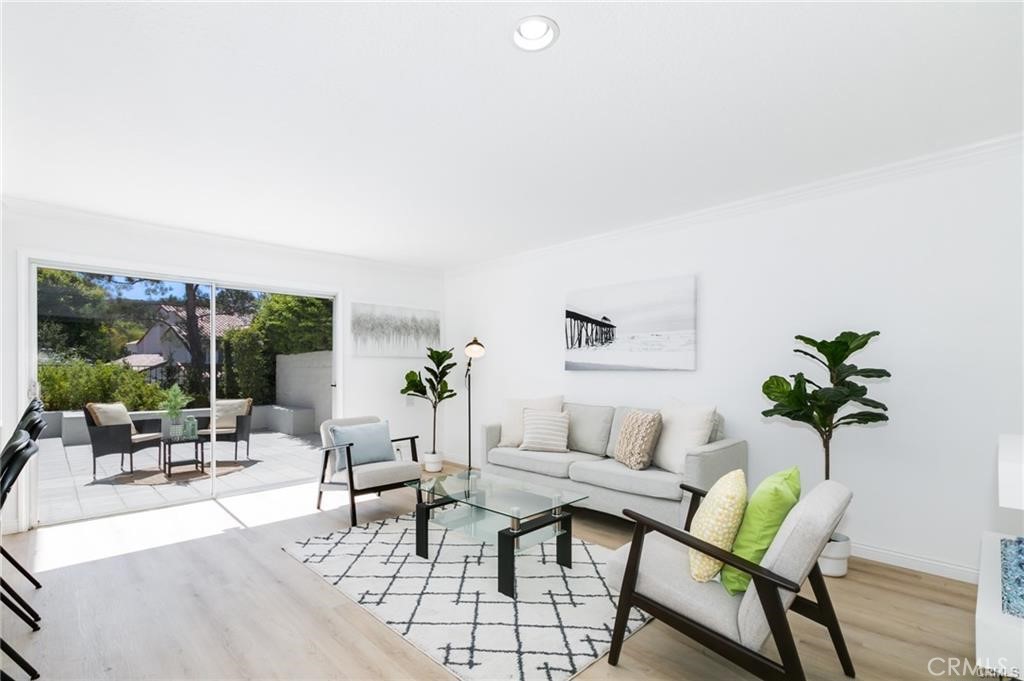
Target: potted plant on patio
[
  {"x": 433, "y": 389},
  {"x": 175, "y": 400},
  {"x": 820, "y": 406}
]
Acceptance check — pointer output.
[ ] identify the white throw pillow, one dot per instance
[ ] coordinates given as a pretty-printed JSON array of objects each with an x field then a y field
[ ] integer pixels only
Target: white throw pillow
[
  {"x": 512, "y": 422},
  {"x": 545, "y": 431},
  {"x": 683, "y": 427},
  {"x": 111, "y": 414},
  {"x": 229, "y": 410}
]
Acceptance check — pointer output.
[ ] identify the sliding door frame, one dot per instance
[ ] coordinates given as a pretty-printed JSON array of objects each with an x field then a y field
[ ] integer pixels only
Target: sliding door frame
[{"x": 30, "y": 260}]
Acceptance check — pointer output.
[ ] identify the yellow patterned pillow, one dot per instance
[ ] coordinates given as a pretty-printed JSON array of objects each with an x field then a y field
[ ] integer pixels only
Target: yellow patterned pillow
[{"x": 716, "y": 521}]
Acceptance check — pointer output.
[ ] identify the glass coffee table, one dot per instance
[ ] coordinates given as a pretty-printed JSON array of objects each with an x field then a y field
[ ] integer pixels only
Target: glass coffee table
[{"x": 513, "y": 515}]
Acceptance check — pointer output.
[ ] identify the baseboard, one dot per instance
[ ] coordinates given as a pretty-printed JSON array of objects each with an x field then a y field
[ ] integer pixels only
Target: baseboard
[{"x": 961, "y": 573}]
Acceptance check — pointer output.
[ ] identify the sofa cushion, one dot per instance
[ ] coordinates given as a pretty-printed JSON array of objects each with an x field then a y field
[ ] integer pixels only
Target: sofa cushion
[
  {"x": 664, "y": 577},
  {"x": 794, "y": 551},
  {"x": 637, "y": 439},
  {"x": 228, "y": 411},
  {"x": 379, "y": 473},
  {"x": 613, "y": 434},
  {"x": 512, "y": 421},
  {"x": 716, "y": 521},
  {"x": 371, "y": 443},
  {"x": 551, "y": 464},
  {"x": 610, "y": 474},
  {"x": 683, "y": 426},
  {"x": 110, "y": 414},
  {"x": 545, "y": 431},
  {"x": 589, "y": 427}
]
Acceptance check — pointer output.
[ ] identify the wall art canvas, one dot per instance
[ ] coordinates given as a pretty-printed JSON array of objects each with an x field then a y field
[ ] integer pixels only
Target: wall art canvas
[
  {"x": 389, "y": 331},
  {"x": 637, "y": 326}
]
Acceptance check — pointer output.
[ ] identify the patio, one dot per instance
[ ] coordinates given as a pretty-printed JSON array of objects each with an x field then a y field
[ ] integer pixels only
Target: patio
[{"x": 67, "y": 490}]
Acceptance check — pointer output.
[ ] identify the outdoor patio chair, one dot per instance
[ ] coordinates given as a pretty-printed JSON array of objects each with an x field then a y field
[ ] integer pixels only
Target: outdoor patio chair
[
  {"x": 366, "y": 478},
  {"x": 654, "y": 573},
  {"x": 17, "y": 452},
  {"x": 113, "y": 431},
  {"x": 234, "y": 423}
]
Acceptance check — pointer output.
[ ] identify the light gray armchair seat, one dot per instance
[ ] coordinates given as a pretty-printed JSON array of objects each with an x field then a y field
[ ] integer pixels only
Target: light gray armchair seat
[
  {"x": 653, "y": 573},
  {"x": 366, "y": 478}
]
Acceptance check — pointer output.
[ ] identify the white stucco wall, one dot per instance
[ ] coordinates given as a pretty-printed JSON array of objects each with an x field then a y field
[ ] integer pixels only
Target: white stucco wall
[{"x": 304, "y": 380}]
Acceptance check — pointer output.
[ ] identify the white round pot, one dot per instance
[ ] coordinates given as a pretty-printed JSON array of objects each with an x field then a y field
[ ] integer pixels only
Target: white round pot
[
  {"x": 833, "y": 560},
  {"x": 433, "y": 463}
]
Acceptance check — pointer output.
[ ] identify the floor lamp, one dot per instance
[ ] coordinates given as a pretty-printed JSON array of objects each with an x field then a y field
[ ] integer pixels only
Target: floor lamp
[{"x": 474, "y": 350}]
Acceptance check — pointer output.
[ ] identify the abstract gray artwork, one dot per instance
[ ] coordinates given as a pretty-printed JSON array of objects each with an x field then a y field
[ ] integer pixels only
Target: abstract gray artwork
[{"x": 389, "y": 331}]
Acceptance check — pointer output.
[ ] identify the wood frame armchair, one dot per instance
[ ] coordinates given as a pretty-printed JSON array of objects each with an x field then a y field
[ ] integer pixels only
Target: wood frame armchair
[
  {"x": 331, "y": 450},
  {"x": 769, "y": 586},
  {"x": 118, "y": 439}
]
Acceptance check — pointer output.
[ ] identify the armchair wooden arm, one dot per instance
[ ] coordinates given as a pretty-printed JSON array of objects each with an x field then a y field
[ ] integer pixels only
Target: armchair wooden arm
[
  {"x": 752, "y": 569},
  {"x": 412, "y": 444},
  {"x": 696, "y": 494}
]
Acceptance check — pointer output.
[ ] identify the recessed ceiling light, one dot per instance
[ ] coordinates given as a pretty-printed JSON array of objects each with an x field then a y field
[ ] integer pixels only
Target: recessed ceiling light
[{"x": 535, "y": 33}]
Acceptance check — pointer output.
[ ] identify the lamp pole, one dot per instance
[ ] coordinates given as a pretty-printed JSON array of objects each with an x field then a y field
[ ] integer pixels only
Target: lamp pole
[{"x": 474, "y": 349}]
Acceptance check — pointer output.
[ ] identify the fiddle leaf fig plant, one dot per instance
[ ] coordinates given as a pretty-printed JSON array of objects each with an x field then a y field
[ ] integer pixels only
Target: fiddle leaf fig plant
[
  {"x": 819, "y": 406},
  {"x": 434, "y": 389}
]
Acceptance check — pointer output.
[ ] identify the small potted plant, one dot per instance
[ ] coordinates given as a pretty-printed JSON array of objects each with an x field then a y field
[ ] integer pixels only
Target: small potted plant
[
  {"x": 819, "y": 408},
  {"x": 433, "y": 389},
  {"x": 175, "y": 400}
]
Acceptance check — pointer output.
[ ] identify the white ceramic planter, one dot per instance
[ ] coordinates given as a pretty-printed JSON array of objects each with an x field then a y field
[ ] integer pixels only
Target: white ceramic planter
[
  {"x": 432, "y": 463},
  {"x": 833, "y": 560}
]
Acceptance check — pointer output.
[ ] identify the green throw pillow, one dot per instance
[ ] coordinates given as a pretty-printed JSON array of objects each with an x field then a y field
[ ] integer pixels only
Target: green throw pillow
[{"x": 768, "y": 507}]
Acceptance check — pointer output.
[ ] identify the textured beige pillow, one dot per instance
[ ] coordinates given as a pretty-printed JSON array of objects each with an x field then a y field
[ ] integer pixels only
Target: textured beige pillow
[
  {"x": 717, "y": 520},
  {"x": 637, "y": 438},
  {"x": 512, "y": 423},
  {"x": 110, "y": 414}
]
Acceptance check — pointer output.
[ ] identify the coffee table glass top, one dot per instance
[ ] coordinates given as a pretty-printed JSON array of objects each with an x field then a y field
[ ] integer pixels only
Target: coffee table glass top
[{"x": 508, "y": 498}]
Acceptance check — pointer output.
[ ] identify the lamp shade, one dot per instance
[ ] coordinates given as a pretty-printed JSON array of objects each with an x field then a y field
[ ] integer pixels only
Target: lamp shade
[{"x": 475, "y": 348}]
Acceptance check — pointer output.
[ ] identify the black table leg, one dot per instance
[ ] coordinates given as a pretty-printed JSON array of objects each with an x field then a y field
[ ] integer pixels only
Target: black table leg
[
  {"x": 19, "y": 612},
  {"x": 19, "y": 600},
  {"x": 563, "y": 543},
  {"x": 18, "y": 660},
  {"x": 21, "y": 568},
  {"x": 422, "y": 516},
  {"x": 507, "y": 562}
]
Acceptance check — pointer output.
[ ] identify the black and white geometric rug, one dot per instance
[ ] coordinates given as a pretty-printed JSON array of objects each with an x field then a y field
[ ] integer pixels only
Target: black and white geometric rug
[{"x": 449, "y": 606}]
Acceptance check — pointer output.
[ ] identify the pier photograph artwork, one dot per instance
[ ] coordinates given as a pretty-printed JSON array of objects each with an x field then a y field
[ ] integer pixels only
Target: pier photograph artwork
[{"x": 637, "y": 326}]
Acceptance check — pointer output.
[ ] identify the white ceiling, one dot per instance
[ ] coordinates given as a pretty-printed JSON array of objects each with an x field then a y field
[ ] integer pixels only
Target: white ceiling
[{"x": 418, "y": 133}]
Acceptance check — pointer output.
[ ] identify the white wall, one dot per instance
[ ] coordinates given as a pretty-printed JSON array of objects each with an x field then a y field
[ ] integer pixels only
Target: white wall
[
  {"x": 368, "y": 385},
  {"x": 928, "y": 253},
  {"x": 303, "y": 380}
]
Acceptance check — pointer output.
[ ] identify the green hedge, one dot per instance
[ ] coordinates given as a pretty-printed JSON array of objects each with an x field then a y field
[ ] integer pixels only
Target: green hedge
[{"x": 69, "y": 385}]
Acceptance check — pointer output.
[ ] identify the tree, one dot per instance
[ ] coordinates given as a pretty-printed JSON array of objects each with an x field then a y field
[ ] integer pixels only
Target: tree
[
  {"x": 71, "y": 315},
  {"x": 294, "y": 324},
  {"x": 819, "y": 408},
  {"x": 194, "y": 373},
  {"x": 237, "y": 301},
  {"x": 282, "y": 325},
  {"x": 249, "y": 366}
]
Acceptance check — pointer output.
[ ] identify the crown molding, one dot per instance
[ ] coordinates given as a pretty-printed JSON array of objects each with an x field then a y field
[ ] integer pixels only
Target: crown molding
[
  {"x": 838, "y": 184},
  {"x": 44, "y": 209}
]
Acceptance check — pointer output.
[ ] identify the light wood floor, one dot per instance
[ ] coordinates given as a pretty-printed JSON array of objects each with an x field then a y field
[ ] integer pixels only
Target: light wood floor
[{"x": 204, "y": 592}]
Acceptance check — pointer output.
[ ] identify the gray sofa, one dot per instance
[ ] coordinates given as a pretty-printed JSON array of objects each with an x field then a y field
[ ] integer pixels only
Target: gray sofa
[{"x": 590, "y": 467}]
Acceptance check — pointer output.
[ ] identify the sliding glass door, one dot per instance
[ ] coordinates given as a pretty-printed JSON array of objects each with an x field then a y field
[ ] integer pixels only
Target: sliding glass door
[{"x": 161, "y": 391}]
